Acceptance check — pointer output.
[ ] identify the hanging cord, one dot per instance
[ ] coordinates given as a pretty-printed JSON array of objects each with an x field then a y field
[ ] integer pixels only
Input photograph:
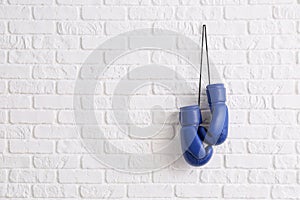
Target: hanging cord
[{"x": 204, "y": 34}]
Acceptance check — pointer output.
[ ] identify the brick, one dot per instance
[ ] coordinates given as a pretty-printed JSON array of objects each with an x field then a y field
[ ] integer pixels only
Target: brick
[
  {"x": 15, "y": 42},
  {"x": 163, "y": 146},
  {"x": 14, "y": 12},
  {"x": 79, "y": 28},
  {"x": 271, "y": 87},
  {"x": 184, "y": 27},
  {"x": 31, "y": 57},
  {"x": 298, "y": 147},
  {"x": 3, "y": 175},
  {"x": 284, "y": 42},
  {"x": 229, "y": 57},
  {"x": 233, "y": 146},
  {"x": 14, "y": 161},
  {"x": 286, "y": 192},
  {"x": 227, "y": 28},
  {"x": 18, "y": 191},
  {"x": 55, "y": 42},
  {"x": 223, "y": 176},
  {"x": 248, "y": 12},
  {"x": 271, "y": 1},
  {"x": 113, "y": 72},
  {"x": 54, "y": 191},
  {"x": 148, "y": 190},
  {"x": 223, "y": 2},
  {"x": 207, "y": 191},
  {"x": 198, "y": 13},
  {"x": 147, "y": 162},
  {"x": 56, "y": 162},
  {"x": 271, "y": 117},
  {"x": 127, "y": 2},
  {"x": 57, "y": 72},
  {"x": 79, "y": 2},
  {"x": 106, "y": 131},
  {"x": 147, "y": 102},
  {"x": 131, "y": 147},
  {"x": 31, "y": 146},
  {"x": 78, "y": 146},
  {"x": 272, "y": 177},
  {"x": 270, "y": 147},
  {"x": 153, "y": 41},
  {"x": 247, "y": 42},
  {"x": 215, "y": 43},
  {"x": 175, "y": 176},
  {"x": 286, "y": 162},
  {"x": 151, "y": 13},
  {"x": 30, "y": 2},
  {"x": 237, "y": 72},
  {"x": 286, "y": 72},
  {"x": 112, "y": 28},
  {"x": 73, "y": 57},
  {"x": 246, "y": 191},
  {"x": 80, "y": 176},
  {"x": 110, "y": 87},
  {"x": 2, "y": 87},
  {"x": 90, "y": 162},
  {"x": 189, "y": 2},
  {"x": 2, "y": 27},
  {"x": 135, "y": 116},
  {"x": 268, "y": 57},
  {"x": 71, "y": 146},
  {"x": 15, "y": 102},
  {"x": 32, "y": 117},
  {"x": 53, "y": 102},
  {"x": 14, "y": 72},
  {"x": 159, "y": 132},
  {"x": 31, "y": 176},
  {"x": 104, "y": 13},
  {"x": 3, "y": 116},
  {"x": 286, "y": 12},
  {"x": 254, "y": 102},
  {"x": 82, "y": 117},
  {"x": 237, "y": 117},
  {"x": 15, "y": 131},
  {"x": 286, "y": 133},
  {"x": 57, "y": 132},
  {"x": 236, "y": 87},
  {"x": 287, "y": 102},
  {"x": 2, "y": 146},
  {"x": 215, "y": 163},
  {"x": 113, "y": 176},
  {"x": 135, "y": 58},
  {"x": 2, "y": 57},
  {"x": 31, "y": 27},
  {"x": 102, "y": 191},
  {"x": 248, "y": 161},
  {"x": 31, "y": 87},
  {"x": 55, "y": 13},
  {"x": 100, "y": 102},
  {"x": 271, "y": 27},
  {"x": 94, "y": 42},
  {"x": 167, "y": 2}
]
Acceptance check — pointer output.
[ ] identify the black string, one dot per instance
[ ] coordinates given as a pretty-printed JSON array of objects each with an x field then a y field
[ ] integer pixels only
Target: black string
[{"x": 204, "y": 34}]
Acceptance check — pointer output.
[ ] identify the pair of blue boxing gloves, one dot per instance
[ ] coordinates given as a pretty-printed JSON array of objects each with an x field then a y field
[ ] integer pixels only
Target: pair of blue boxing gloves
[{"x": 194, "y": 135}]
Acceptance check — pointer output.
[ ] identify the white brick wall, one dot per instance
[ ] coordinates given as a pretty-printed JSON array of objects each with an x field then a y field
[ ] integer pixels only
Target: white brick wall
[{"x": 254, "y": 47}]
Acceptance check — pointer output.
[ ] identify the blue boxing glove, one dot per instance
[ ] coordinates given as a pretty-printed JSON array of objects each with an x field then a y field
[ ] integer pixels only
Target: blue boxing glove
[
  {"x": 218, "y": 128},
  {"x": 191, "y": 144}
]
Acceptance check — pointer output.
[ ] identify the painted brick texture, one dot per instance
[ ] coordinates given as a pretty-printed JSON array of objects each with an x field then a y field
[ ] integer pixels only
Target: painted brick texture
[{"x": 254, "y": 49}]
